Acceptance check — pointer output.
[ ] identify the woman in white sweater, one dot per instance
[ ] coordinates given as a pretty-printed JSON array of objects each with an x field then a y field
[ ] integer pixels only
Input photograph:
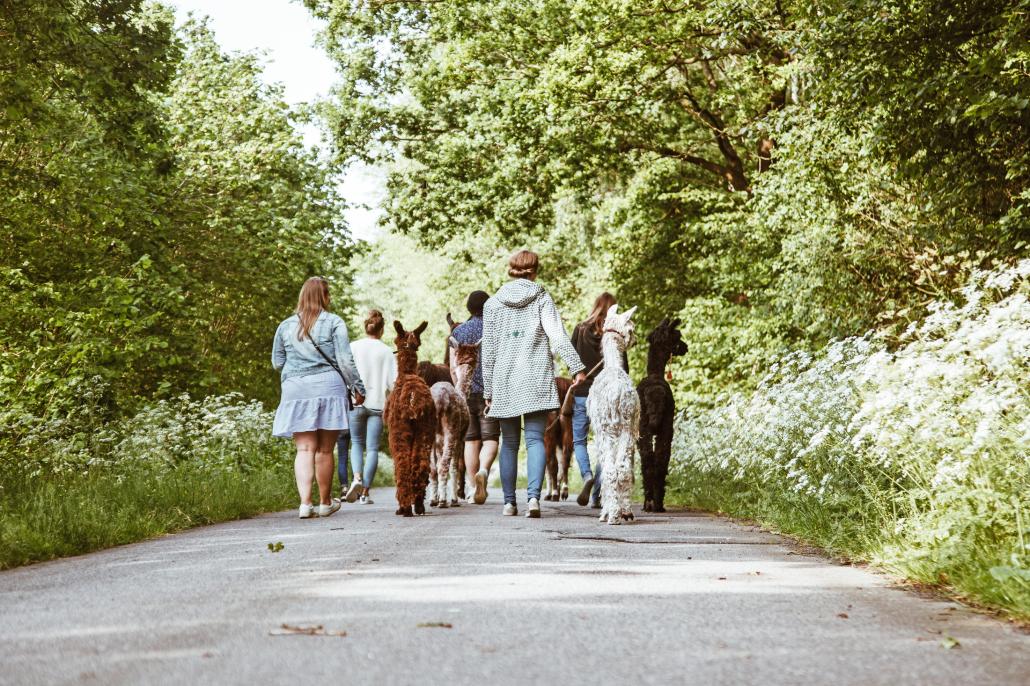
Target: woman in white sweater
[
  {"x": 378, "y": 369},
  {"x": 520, "y": 327}
]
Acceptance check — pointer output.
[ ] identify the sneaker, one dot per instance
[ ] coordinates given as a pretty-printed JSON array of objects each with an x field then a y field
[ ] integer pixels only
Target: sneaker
[
  {"x": 307, "y": 512},
  {"x": 366, "y": 500},
  {"x": 353, "y": 491},
  {"x": 534, "y": 509},
  {"x": 480, "y": 496},
  {"x": 328, "y": 510},
  {"x": 510, "y": 510},
  {"x": 584, "y": 494}
]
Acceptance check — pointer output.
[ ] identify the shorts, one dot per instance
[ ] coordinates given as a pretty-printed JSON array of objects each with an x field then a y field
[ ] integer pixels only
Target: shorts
[{"x": 481, "y": 427}]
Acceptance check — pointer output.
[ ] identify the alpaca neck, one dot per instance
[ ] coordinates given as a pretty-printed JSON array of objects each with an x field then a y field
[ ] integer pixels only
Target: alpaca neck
[
  {"x": 656, "y": 361},
  {"x": 612, "y": 345},
  {"x": 462, "y": 376},
  {"x": 407, "y": 362}
]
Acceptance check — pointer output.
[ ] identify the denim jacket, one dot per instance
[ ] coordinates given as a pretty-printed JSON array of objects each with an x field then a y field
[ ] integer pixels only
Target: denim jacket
[{"x": 300, "y": 358}]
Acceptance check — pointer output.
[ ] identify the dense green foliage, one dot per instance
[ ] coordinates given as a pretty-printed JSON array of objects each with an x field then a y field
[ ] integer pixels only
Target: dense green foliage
[
  {"x": 157, "y": 213},
  {"x": 779, "y": 173}
]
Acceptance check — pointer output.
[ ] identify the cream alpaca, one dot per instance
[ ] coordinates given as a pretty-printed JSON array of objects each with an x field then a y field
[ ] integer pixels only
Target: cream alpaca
[{"x": 614, "y": 409}]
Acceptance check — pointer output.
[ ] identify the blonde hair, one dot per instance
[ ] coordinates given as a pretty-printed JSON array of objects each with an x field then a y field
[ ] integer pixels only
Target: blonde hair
[
  {"x": 523, "y": 264},
  {"x": 313, "y": 301},
  {"x": 374, "y": 323}
]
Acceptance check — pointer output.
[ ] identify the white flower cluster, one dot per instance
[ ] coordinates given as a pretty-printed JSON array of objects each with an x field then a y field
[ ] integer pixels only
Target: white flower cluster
[
  {"x": 937, "y": 426},
  {"x": 218, "y": 432}
]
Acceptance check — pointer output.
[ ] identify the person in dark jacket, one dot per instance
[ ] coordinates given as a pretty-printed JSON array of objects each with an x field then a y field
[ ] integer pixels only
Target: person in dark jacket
[{"x": 586, "y": 339}]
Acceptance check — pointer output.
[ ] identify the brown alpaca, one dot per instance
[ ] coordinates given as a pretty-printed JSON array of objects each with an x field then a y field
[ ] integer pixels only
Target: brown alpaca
[
  {"x": 558, "y": 436},
  {"x": 657, "y": 410},
  {"x": 411, "y": 417}
]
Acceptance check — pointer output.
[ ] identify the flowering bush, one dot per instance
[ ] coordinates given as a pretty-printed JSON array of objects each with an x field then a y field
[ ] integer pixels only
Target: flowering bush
[
  {"x": 915, "y": 455},
  {"x": 218, "y": 432}
]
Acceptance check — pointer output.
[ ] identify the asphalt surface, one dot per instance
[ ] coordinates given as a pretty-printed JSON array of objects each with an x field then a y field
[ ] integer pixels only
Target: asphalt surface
[{"x": 465, "y": 596}]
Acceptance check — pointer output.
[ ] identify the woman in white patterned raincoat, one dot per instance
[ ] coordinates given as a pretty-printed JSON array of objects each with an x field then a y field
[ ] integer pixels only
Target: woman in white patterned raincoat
[{"x": 520, "y": 327}]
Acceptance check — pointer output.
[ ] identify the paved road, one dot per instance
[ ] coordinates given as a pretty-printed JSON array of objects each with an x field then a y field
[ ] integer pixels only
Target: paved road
[{"x": 672, "y": 599}]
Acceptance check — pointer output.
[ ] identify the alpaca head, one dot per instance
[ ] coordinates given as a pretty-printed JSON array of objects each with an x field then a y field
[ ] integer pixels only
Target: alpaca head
[
  {"x": 407, "y": 343},
  {"x": 621, "y": 325},
  {"x": 666, "y": 341},
  {"x": 464, "y": 358}
]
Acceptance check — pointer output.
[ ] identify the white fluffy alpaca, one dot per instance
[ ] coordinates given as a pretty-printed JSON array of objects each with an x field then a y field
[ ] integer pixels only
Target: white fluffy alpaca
[{"x": 614, "y": 410}]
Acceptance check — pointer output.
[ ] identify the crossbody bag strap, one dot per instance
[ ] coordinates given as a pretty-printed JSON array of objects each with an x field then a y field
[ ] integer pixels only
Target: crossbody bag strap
[{"x": 350, "y": 405}]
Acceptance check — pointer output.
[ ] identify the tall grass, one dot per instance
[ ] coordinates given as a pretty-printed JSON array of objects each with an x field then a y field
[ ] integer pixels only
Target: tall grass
[
  {"x": 915, "y": 457},
  {"x": 174, "y": 465}
]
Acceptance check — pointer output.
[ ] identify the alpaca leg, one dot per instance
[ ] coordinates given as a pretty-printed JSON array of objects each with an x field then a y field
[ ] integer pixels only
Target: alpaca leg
[
  {"x": 609, "y": 498},
  {"x": 624, "y": 465},
  {"x": 443, "y": 468},
  {"x": 647, "y": 470},
  {"x": 435, "y": 459},
  {"x": 663, "y": 452},
  {"x": 551, "y": 461}
]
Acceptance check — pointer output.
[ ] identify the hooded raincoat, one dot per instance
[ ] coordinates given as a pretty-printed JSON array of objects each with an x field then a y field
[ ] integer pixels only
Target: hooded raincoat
[{"x": 520, "y": 327}]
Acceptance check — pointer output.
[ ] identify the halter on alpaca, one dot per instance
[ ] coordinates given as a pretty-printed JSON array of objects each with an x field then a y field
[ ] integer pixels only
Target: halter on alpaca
[{"x": 614, "y": 410}]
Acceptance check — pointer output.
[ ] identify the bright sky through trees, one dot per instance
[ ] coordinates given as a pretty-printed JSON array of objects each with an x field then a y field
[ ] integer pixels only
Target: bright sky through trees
[{"x": 285, "y": 32}]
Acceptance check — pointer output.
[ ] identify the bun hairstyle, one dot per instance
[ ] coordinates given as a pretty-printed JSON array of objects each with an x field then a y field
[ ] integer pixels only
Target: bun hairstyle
[
  {"x": 523, "y": 264},
  {"x": 374, "y": 323}
]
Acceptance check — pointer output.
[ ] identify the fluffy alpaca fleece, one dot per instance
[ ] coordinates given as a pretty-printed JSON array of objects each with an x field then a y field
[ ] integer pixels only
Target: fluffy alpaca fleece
[
  {"x": 657, "y": 410},
  {"x": 410, "y": 415},
  {"x": 558, "y": 445},
  {"x": 462, "y": 363},
  {"x": 452, "y": 421},
  {"x": 614, "y": 409}
]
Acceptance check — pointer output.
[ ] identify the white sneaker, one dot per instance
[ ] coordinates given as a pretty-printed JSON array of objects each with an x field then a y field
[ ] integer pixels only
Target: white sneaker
[
  {"x": 366, "y": 500},
  {"x": 534, "y": 509},
  {"x": 328, "y": 510},
  {"x": 353, "y": 491},
  {"x": 307, "y": 512},
  {"x": 480, "y": 495},
  {"x": 510, "y": 510}
]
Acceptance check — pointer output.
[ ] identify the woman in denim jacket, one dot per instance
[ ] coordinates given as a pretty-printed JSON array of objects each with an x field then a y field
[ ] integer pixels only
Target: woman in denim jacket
[{"x": 313, "y": 351}]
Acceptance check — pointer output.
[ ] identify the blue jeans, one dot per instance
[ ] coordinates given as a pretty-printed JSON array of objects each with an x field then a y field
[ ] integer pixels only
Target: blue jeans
[
  {"x": 366, "y": 426},
  {"x": 342, "y": 461},
  {"x": 536, "y": 458},
  {"x": 580, "y": 429}
]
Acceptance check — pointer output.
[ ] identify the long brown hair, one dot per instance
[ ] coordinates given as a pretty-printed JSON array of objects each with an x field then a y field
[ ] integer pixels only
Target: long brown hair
[
  {"x": 597, "y": 315},
  {"x": 313, "y": 301}
]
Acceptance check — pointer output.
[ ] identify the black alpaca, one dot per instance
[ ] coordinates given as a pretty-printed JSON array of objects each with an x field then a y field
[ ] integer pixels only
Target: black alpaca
[{"x": 657, "y": 409}]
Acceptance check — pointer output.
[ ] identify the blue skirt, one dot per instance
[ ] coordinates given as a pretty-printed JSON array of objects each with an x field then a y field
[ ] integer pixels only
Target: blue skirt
[{"x": 308, "y": 403}]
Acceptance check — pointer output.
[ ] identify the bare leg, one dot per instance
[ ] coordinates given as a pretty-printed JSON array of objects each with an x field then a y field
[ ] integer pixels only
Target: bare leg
[
  {"x": 324, "y": 465},
  {"x": 304, "y": 463},
  {"x": 487, "y": 455},
  {"x": 472, "y": 456}
]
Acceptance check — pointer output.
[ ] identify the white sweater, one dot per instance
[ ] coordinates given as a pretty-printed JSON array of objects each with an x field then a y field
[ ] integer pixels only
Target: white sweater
[{"x": 378, "y": 370}]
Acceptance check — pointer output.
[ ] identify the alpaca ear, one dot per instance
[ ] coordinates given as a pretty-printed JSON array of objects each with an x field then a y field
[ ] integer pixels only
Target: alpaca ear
[
  {"x": 451, "y": 342},
  {"x": 613, "y": 310},
  {"x": 663, "y": 324},
  {"x": 476, "y": 344},
  {"x": 676, "y": 323},
  {"x": 450, "y": 321},
  {"x": 628, "y": 313},
  {"x": 420, "y": 328},
  {"x": 398, "y": 326}
]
